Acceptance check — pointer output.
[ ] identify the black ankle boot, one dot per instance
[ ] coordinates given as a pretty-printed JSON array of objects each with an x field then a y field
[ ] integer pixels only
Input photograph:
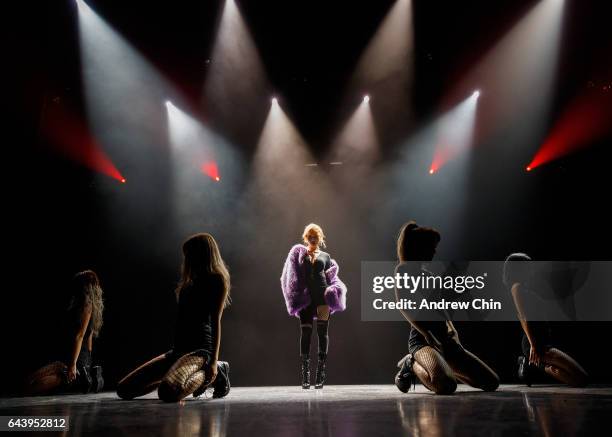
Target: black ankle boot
[
  {"x": 305, "y": 372},
  {"x": 97, "y": 379},
  {"x": 83, "y": 380},
  {"x": 222, "y": 381},
  {"x": 405, "y": 377},
  {"x": 525, "y": 371},
  {"x": 221, "y": 384},
  {"x": 321, "y": 374}
]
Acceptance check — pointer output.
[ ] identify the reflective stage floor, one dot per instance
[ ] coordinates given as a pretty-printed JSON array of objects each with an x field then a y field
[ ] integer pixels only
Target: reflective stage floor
[{"x": 351, "y": 410}]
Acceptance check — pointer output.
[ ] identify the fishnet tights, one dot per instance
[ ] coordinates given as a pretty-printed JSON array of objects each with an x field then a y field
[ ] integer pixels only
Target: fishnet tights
[
  {"x": 46, "y": 378},
  {"x": 440, "y": 373},
  {"x": 183, "y": 378},
  {"x": 564, "y": 368},
  {"x": 174, "y": 380}
]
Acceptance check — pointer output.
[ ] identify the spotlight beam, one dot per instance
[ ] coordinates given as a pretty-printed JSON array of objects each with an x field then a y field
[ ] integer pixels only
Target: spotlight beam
[
  {"x": 519, "y": 71},
  {"x": 236, "y": 81},
  {"x": 357, "y": 145},
  {"x": 385, "y": 69},
  {"x": 455, "y": 131},
  {"x": 586, "y": 118}
]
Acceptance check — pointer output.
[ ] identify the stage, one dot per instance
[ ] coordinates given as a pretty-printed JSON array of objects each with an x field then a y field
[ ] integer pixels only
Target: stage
[{"x": 348, "y": 410}]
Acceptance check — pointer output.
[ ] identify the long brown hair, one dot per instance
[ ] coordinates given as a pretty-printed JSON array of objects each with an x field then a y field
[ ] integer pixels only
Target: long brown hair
[
  {"x": 414, "y": 242},
  {"x": 201, "y": 257},
  {"x": 87, "y": 292}
]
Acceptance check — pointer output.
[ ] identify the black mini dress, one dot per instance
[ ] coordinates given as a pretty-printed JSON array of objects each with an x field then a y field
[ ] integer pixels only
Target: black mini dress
[{"x": 316, "y": 282}]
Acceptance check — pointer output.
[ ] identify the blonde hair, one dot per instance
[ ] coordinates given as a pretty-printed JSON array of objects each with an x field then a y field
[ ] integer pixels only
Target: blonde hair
[
  {"x": 313, "y": 227},
  {"x": 86, "y": 292}
]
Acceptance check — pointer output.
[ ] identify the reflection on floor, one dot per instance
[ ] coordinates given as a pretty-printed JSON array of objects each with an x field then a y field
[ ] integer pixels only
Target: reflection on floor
[{"x": 336, "y": 410}]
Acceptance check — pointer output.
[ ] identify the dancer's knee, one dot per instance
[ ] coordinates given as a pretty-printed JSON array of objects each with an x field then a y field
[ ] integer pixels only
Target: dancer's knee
[
  {"x": 124, "y": 391},
  {"x": 433, "y": 371},
  {"x": 574, "y": 374},
  {"x": 575, "y": 378},
  {"x": 436, "y": 380},
  {"x": 443, "y": 384},
  {"x": 490, "y": 382},
  {"x": 169, "y": 392}
]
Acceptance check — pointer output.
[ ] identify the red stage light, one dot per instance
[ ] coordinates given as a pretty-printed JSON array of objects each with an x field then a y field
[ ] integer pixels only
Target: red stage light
[
  {"x": 70, "y": 135},
  {"x": 211, "y": 170},
  {"x": 586, "y": 119}
]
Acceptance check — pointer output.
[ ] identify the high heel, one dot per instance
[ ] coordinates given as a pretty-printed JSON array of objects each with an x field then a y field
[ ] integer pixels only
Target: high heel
[
  {"x": 305, "y": 372},
  {"x": 321, "y": 372},
  {"x": 405, "y": 377},
  {"x": 525, "y": 371},
  {"x": 97, "y": 379},
  {"x": 222, "y": 381}
]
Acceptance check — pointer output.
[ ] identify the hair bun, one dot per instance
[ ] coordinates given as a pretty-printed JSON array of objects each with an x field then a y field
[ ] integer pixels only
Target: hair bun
[{"x": 411, "y": 226}]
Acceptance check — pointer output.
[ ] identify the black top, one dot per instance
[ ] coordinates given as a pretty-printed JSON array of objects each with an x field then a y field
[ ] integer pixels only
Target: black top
[
  {"x": 315, "y": 272},
  {"x": 197, "y": 304},
  {"x": 73, "y": 322},
  {"x": 437, "y": 328}
]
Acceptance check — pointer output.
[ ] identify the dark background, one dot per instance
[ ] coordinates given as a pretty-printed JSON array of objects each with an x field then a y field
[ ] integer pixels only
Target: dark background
[{"x": 60, "y": 221}]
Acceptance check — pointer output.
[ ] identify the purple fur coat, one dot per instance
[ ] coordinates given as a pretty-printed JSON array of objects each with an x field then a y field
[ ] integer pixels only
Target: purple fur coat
[{"x": 293, "y": 284}]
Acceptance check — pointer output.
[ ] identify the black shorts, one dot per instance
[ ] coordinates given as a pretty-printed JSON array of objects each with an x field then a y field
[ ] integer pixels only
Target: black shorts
[
  {"x": 84, "y": 359},
  {"x": 317, "y": 296},
  {"x": 174, "y": 355},
  {"x": 416, "y": 340},
  {"x": 310, "y": 312}
]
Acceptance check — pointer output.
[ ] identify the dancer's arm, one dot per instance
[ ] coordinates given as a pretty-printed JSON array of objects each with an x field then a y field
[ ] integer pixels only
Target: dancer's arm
[
  {"x": 219, "y": 296},
  {"x": 534, "y": 355},
  {"x": 418, "y": 326},
  {"x": 78, "y": 341},
  {"x": 90, "y": 341},
  {"x": 452, "y": 331}
]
